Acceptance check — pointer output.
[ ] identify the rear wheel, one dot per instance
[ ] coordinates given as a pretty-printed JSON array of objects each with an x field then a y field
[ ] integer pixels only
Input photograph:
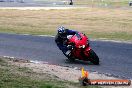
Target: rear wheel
[{"x": 94, "y": 58}]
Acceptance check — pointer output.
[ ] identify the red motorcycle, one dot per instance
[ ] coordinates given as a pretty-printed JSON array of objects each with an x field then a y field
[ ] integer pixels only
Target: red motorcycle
[{"x": 81, "y": 49}]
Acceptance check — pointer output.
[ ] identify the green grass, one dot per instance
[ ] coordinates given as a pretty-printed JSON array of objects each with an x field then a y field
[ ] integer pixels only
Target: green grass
[
  {"x": 9, "y": 80},
  {"x": 112, "y": 36},
  {"x": 113, "y": 3},
  {"x": 12, "y": 76},
  {"x": 18, "y": 77}
]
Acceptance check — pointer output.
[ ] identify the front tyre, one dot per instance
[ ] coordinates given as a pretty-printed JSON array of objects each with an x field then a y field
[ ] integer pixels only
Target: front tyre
[
  {"x": 69, "y": 58},
  {"x": 93, "y": 57}
]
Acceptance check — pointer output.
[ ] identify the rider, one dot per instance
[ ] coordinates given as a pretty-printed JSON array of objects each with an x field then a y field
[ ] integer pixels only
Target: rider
[{"x": 61, "y": 39}]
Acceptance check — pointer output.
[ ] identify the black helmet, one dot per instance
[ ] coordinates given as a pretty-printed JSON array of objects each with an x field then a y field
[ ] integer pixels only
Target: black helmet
[{"x": 61, "y": 30}]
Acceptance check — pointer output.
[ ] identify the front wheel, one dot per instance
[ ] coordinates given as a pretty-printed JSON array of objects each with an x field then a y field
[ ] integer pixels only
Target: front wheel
[
  {"x": 69, "y": 58},
  {"x": 93, "y": 57}
]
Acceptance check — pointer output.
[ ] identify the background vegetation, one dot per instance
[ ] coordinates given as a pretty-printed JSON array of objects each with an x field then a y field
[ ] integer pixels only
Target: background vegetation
[{"x": 95, "y": 22}]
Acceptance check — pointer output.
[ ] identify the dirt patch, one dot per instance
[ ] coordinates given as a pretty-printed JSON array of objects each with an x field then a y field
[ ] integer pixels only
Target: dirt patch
[
  {"x": 64, "y": 73},
  {"x": 55, "y": 71}
]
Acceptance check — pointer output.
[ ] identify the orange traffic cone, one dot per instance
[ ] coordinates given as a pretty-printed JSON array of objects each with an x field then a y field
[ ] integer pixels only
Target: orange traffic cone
[{"x": 84, "y": 78}]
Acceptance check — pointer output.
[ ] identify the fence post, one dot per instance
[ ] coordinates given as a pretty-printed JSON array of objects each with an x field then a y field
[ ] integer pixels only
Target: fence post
[{"x": 71, "y": 2}]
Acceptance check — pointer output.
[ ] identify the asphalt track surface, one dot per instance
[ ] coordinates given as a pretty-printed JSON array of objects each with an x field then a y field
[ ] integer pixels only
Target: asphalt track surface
[{"x": 115, "y": 58}]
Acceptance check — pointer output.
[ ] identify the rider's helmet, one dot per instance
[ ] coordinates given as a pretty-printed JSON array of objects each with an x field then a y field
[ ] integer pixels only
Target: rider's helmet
[{"x": 61, "y": 31}]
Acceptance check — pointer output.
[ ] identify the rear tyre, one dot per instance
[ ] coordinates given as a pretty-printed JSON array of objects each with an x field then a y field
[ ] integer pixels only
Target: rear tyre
[{"x": 94, "y": 58}]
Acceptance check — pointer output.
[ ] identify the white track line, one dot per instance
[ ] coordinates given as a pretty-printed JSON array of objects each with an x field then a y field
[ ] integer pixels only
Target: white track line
[{"x": 40, "y": 8}]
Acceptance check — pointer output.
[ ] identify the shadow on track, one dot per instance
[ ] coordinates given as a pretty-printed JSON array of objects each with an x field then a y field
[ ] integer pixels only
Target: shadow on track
[{"x": 79, "y": 62}]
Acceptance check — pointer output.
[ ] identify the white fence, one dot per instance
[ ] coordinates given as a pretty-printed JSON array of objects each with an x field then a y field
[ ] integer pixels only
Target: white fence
[{"x": 15, "y": 0}]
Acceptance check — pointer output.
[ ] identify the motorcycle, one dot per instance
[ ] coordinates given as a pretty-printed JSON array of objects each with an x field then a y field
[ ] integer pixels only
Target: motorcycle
[{"x": 81, "y": 49}]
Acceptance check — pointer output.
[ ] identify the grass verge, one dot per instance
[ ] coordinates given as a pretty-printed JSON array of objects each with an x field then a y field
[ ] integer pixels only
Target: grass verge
[
  {"x": 112, "y": 3},
  {"x": 12, "y": 76}
]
